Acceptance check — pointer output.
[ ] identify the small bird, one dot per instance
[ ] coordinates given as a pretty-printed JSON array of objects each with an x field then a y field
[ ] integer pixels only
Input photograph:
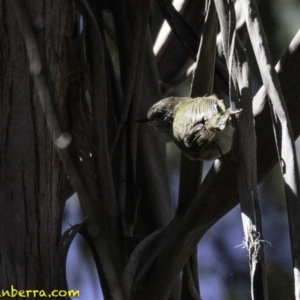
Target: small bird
[{"x": 201, "y": 127}]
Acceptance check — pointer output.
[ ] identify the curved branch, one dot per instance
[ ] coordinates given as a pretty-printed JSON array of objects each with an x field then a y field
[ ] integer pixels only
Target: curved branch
[{"x": 134, "y": 261}]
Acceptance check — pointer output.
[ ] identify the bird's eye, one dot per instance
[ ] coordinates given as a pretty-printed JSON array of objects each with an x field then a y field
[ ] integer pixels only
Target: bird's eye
[{"x": 159, "y": 114}]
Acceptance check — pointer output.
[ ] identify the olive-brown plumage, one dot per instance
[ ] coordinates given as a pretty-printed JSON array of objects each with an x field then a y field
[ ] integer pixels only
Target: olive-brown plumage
[{"x": 201, "y": 127}]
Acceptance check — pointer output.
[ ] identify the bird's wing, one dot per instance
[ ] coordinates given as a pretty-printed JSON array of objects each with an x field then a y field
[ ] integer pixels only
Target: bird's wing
[
  {"x": 192, "y": 117},
  {"x": 202, "y": 109},
  {"x": 198, "y": 135}
]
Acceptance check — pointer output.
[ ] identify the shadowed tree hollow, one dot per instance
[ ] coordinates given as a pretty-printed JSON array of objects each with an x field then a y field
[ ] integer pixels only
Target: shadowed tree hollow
[{"x": 74, "y": 78}]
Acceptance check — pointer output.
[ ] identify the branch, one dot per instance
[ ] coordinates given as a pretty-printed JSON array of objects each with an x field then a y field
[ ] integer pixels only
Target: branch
[
  {"x": 137, "y": 255},
  {"x": 247, "y": 180},
  {"x": 283, "y": 130},
  {"x": 240, "y": 87},
  {"x": 183, "y": 31},
  {"x": 191, "y": 171}
]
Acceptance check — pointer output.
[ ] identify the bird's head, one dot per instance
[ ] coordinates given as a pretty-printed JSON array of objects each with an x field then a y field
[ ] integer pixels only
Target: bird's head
[{"x": 161, "y": 114}]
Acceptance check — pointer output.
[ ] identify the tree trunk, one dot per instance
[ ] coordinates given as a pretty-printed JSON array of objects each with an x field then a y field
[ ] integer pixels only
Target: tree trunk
[{"x": 32, "y": 179}]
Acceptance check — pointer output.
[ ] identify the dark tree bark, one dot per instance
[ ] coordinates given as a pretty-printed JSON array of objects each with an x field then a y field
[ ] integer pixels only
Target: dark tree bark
[{"x": 32, "y": 178}]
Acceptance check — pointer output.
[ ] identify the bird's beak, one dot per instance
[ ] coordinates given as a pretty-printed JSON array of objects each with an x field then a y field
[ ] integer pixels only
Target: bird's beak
[{"x": 142, "y": 120}]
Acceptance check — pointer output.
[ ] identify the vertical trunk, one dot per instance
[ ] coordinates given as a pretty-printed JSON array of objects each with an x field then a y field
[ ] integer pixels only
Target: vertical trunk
[{"x": 31, "y": 176}]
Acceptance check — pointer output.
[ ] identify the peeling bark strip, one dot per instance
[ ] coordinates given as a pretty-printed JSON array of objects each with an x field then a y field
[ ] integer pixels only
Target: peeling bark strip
[
  {"x": 283, "y": 130},
  {"x": 241, "y": 96}
]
